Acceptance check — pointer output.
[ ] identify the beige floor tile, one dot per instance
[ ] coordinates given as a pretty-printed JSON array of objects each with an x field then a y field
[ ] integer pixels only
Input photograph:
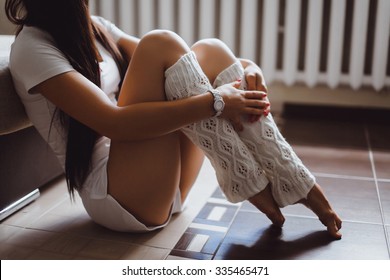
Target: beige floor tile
[
  {"x": 104, "y": 249},
  {"x": 12, "y": 252},
  {"x": 67, "y": 244},
  {"x": 7, "y": 231},
  {"x": 44, "y": 255},
  {"x": 31, "y": 238},
  {"x": 163, "y": 238},
  {"x": 52, "y": 222},
  {"x": 85, "y": 227},
  {"x": 140, "y": 252},
  {"x": 69, "y": 208},
  {"x": 22, "y": 218}
]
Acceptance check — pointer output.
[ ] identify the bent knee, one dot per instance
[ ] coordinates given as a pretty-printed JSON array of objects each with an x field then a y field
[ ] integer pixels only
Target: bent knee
[
  {"x": 209, "y": 42},
  {"x": 164, "y": 39},
  {"x": 213, "y": 50},
  {"x": 163, "y": 45},
  {"x": 214, "y": 56},
  {"x": 211, "y": 45}
]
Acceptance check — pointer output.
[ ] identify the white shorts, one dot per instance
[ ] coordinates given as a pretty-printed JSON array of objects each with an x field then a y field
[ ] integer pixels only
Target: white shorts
[
  {"x": 110, "y": 214},
  {"x": 102, "y": 207}
]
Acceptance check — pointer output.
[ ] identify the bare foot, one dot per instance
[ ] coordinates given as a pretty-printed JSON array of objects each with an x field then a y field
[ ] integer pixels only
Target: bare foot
[
  {"x": 265, "y": 202},
  {"x": 317, "y": 202}
]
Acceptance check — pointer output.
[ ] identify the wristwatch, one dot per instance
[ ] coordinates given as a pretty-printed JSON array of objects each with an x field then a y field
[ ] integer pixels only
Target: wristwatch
[{"x": 219, "y": 104}]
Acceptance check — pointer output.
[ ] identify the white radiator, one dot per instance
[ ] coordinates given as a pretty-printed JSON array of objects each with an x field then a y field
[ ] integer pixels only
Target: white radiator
[{"x": 331, "y": 42}]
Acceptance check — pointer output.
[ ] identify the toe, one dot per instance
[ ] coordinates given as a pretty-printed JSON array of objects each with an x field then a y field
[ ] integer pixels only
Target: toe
[
  {"x": 333, "y": 225},
  {"x": 334, "y": 231},
  {"x": 276, "y": 218}
]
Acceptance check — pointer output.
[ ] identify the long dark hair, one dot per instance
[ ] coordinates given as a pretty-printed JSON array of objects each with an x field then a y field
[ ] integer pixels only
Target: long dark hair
[{"x": 70, "y": 25}]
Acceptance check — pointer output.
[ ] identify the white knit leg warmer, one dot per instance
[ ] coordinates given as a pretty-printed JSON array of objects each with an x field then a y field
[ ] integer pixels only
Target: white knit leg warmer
[
  {"x": 290, "y": 179},
  {"x": 238, "y": 173}
]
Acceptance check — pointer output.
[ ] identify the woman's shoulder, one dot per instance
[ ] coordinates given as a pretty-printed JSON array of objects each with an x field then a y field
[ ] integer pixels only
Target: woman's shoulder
[
  {"x": 31, "y": 42},
  {"x": 32, "y": 36},
  {"x": 34, "y": 57}
]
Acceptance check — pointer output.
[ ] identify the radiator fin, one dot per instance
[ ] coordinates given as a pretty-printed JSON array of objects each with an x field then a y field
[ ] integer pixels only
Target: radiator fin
[{"x": 329, "y": 42}]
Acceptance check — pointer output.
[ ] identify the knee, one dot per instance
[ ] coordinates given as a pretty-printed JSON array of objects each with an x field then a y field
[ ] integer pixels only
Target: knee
[
  {"x": 210, "y": 45},
  {"x": 214, "y": 56},
  {"x": 161, "y": 35},
  {"x": 164, "y": 40},
  {"x": 208, "y": 42},
  {"x": 213, "y": 51}
]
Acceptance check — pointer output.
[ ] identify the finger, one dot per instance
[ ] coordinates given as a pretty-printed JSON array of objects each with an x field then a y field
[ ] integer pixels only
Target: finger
[
  {"x": 251, "y": 81},
  {"x": 257, "y": 104},
  {"x": 255, "y": 118},
  {"x": 261, "y": 85},
  {"x": 260, "y": 95},
  {"x": 236, "y": 84},
  {"x": 267, "y": 100},
  {"x": 254, "y": 111}
]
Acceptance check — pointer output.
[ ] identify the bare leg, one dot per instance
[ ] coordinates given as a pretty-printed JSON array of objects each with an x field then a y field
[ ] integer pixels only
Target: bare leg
[
  {"x": 237, "y": 172},
  {"x": 265, "y": 202},
  {"x": 144, "y": 176},
  {"x": 191, "y": 161},
  {"x": 214, "y": 57},
  {"x": 284, "y": 169},
  {"x": 317, "y": 202}
]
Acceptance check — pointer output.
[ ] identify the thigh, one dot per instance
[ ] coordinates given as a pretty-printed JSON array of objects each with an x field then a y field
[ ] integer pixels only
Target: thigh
[
  {"x": 191, "y": 160},
  {"x": 144, "y": 80},
  {"x": 144, "y": 175}
]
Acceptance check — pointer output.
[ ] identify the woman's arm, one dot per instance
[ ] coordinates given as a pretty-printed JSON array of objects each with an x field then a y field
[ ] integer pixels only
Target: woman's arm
[{"x": 78, "y": 97}]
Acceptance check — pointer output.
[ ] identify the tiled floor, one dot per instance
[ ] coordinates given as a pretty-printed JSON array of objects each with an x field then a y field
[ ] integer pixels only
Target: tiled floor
[{"x": 348, "y": 151}]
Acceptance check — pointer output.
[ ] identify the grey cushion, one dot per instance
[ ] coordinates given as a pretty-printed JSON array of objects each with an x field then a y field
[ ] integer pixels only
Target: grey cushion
[{"x": 12, "y": 114}]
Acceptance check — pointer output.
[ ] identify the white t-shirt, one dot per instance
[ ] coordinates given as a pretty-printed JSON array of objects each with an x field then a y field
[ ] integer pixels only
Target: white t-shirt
[{"x": 35, "y": 58}]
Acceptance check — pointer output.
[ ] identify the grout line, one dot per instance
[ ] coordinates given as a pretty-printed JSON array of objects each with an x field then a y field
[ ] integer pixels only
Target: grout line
[
  {"x": 316, "y": 218},
  {"x": 228, "y": 228},
  {"x": 346, "y": 221},
  {"x": 371, "y": 156},
  {"x": 350, "y": 177},
  {"x": 328, "y": 175}
]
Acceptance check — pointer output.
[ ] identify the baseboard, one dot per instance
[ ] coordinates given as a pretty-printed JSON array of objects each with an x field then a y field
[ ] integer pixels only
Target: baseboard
[{"x": 280, "y": 94}]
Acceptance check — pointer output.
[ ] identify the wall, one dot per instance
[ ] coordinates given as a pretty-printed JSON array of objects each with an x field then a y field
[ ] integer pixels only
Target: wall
[
  {"x": 296, "y": 71},
  {"x": 6, "y": 28}
]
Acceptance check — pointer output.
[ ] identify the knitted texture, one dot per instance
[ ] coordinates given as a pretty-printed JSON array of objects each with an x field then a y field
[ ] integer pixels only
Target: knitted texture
[
  {"x": 290, "y": 179},
  {"x": 238, "y": 173}
]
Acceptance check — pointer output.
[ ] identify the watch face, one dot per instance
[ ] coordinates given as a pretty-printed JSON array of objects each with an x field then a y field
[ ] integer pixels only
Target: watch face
[{"x": 218, "y": 105}]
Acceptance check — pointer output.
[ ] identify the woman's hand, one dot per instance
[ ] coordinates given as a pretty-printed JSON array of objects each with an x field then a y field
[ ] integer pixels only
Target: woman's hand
[
  {"x": 255, "y": 81},
  {"x": 239, "y": 102}
]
